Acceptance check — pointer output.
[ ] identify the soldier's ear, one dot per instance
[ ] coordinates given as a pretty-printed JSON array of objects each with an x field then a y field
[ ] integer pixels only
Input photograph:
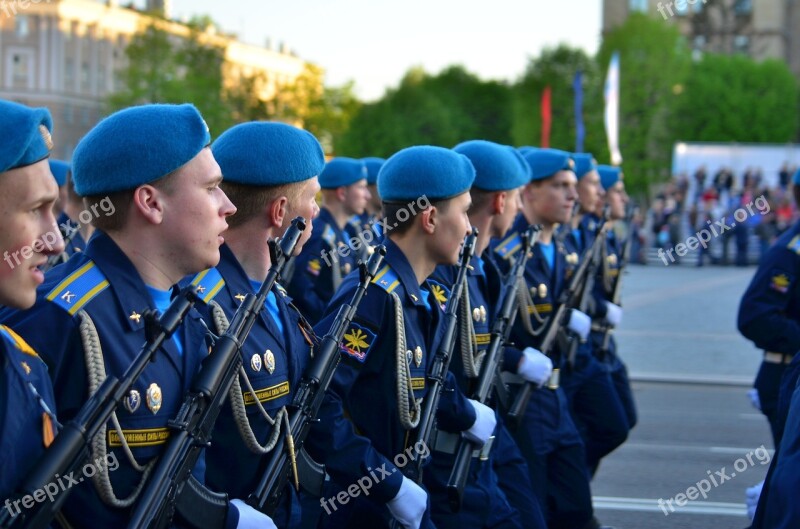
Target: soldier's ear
[
  {"x": 429, "y": 218},
  {"x": 277, "y": 210},
  {"x": 149, "y": 201}
]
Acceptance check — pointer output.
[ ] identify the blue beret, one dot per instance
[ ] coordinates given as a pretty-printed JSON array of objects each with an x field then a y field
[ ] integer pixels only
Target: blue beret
[
  {"x": 24, "y": 135},
  {"x": 584, "y": 163},
  {"x": 136, "y": 146},
  {"x": 262, "y": 153},
  {"x": 796, "y": 178},
  {"x": 434, "y": 172},
  {"x": 373, "y": 166},
  {"x": 59, "y": 169},
  {"x": 342, "y": 171},
  {"x": 497, "y": 167},
  {"x": 547, "y": 162},
  {"x": 609, "y": 175}
]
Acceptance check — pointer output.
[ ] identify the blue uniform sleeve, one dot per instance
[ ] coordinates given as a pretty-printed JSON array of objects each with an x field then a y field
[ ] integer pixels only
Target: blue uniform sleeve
[
  {"x": 312, "y": 283},
  {"x": 769, "y": 306},
  {"x": 455, "y": 414}
]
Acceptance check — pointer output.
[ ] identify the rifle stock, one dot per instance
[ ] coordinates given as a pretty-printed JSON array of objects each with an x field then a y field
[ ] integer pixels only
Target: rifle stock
[
  {"x": 501, "y": 328},
  {"x": 310, "y": 395},
  {"x": 193, "y": 425}
]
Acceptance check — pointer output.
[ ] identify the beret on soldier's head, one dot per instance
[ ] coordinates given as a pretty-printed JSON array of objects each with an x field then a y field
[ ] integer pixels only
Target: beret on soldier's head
[
  {"x": 136, "y": 146},
  {"x": 342, "y": 171},
  {"x": 497, "y": 167},
  {"x": 609, "y": 175},
  {"x": 373, "y": 167},
  {"x": 545, "y": 163},
  {"x": 59, "y": 168},
  {"x": 584, "y": 163},
  {"x": 24, "y": 135},
  {"x": 262, "y": 153},
  {"x": 433, "y": 172}
]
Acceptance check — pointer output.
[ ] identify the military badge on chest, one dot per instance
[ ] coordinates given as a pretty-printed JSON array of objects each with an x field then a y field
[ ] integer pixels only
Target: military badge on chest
[{"x": 154, "y": 398}]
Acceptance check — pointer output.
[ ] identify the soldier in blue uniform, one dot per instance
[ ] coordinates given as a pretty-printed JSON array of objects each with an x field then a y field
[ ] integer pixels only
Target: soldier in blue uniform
[
  {"x": 594, "y": 401},
  {"x": 328, "y": 256},
  {"x": 391, "y": 343},
  {"x": 612, "y": 180},
  {"x": 364, "y": 227},
  {"x": 373, "y": 209},
  {"x": 74, "y": 231},
  {"x": 503, "y": 480},
  {"x": 547, "y": 435},
  {"x": 27, "y": 195},
  {"x": 59, "y": 169},
  {"x": 153, "y": 163}
]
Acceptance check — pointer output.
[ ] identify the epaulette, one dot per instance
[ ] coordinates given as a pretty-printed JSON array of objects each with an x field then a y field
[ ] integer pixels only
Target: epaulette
[
  {"x": 386, "y": 279},
  {"x": 78, "y": 288},
  {"x": 355, "y": 222},
  {"x": 17, "y": 341},
  {"x": 329, "y": 236},
  {"x": 509, "y": 246},
  {"x": 794, "y": 244},
  {"x": 209, "y": 283}
]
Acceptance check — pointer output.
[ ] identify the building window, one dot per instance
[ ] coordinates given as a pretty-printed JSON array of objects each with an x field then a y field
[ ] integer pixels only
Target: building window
[
  {"x": 741, "y": 44},
  {"x": 69, "y": 74},
  {"x": 68, "y": 113},
  {"x": 743, "y": 7},
  {"x": 638, "y": 5},
  {"x": 21, "y": 70},
  {"x": 85, "y": 78},
  {"x": 22, "y": 26},
  {"x": 85, "y": 117}
]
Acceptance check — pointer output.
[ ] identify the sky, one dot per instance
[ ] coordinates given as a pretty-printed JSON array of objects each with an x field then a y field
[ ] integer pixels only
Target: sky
[{"x": 374, "y": 42}]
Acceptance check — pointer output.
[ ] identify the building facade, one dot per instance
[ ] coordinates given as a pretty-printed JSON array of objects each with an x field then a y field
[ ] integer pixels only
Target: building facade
[
  {"x": 761, "y": 29},
  {"x": 67, "y": 54}
]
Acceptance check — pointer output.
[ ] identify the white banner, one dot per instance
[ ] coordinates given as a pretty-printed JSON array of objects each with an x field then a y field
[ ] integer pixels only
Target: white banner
[{"x": 612, "y": 109}]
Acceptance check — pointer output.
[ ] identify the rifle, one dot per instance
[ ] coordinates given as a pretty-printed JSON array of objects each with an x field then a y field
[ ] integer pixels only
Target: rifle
[
  {"x": 70, "y": 448},
  {"x": 171, "y": 487},
  {"x": 569, "y": 298},
  {"x": 441, "y": 363},
  {"x": 616, "y": 297},
  {"x": 501, "y": 328},
  {"x": 309, "y": 397},
  {"x": 594, "y": 255}
]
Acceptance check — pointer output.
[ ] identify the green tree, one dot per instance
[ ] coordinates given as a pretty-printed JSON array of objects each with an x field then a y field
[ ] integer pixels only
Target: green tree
[
  {"x": 734, "y": 98},
  {"x": 654, "y": 64}
]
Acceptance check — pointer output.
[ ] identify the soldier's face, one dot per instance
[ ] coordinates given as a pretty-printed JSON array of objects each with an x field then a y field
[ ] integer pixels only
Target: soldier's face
[
  {"x": 305, "y": 206},
  {"x": 356, "y": 197},
  {"x": 617, "y": 198},
  {"x": 513, "y": 205},
  {"x": 552, "y": 200},
  {"x": 194, "y": 216},
  {"x": 452, "y": 225},
  {"x": 29, "y": 232},
  {"x": 590, "y": 191}
]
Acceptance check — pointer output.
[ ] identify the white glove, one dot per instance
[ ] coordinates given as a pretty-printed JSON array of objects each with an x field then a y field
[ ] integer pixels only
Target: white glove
[
  {"x": 408, "y": 506},
  {"x": 752, "y": 393},
  {"x": 579, "y": 323},
  {"x": 613, "y": 314},
  {"x": 535, "y": 367},
  {"x": 752, "y": 495},
  {"x": 485, "y": 421},
  {"x": 250, "y": 518}
]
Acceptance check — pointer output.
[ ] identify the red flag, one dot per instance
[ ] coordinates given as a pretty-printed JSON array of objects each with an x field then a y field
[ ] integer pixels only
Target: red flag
[{"x": 546, "y": 117}]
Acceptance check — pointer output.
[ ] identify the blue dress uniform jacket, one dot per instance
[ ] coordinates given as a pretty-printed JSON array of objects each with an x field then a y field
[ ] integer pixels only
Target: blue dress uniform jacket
[
  {"x": 312, "y": 285},
  {"x": 273, "y": 360},
  {"x": 26, "y": 426},
  {"x": 485, "y": 503},
  {"x": 547, "y": 436},
  {"x": 103, "y": 282},
  {"x": 76, "y": 243},
  {"x": 769, "y": 315},
  {"x": 366, "y": 379}
]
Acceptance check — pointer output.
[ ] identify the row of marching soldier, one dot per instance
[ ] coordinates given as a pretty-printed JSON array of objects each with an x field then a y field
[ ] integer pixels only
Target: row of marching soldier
[{"x": 432, "y": 347}]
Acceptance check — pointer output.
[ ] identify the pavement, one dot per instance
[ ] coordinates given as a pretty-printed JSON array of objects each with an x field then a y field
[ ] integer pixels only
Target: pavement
[{"x": 691, "y": 370}]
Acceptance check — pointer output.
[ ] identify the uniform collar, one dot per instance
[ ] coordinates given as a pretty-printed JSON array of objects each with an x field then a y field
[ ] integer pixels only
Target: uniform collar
[{"x": 398, "y": 262}]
